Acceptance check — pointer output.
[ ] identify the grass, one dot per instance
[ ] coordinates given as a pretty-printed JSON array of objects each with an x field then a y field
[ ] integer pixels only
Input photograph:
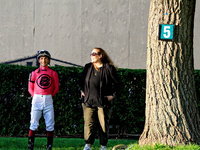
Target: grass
[
  {"x": 13, "y": 143},
  {"x": 163, "y": 147}
]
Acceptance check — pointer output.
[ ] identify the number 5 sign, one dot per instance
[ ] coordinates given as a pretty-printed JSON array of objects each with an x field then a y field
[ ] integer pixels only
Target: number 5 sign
[{"x": 166, "y": 32}]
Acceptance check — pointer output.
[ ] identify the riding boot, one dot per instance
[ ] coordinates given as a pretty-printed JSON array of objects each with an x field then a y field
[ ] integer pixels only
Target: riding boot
[
  {"x": 31, "y": 140},
  {"x": 49, "y": 142}
]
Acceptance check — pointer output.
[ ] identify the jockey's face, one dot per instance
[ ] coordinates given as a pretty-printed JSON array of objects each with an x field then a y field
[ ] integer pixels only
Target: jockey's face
[{"x": 44, "y": 61}]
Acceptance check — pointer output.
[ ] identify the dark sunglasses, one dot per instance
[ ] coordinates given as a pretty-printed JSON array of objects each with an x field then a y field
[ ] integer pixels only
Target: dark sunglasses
[{"x": 94, "y": 54}]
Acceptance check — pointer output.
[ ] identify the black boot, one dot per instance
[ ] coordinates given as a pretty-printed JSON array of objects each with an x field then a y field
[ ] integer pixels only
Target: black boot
[
  {"x": 31, "y": 140},
  {"x": 49, "y": 142}
]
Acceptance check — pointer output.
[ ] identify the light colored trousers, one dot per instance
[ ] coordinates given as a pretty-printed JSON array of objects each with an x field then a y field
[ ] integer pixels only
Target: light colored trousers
[{"x": 42, "y": 104}]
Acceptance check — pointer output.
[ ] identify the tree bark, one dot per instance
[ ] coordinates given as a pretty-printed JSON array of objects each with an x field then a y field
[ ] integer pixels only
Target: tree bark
[{"x": 172, "y": 115}]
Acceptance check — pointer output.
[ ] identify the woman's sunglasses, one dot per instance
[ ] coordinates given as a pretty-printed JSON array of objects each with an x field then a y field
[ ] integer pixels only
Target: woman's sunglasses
[{"x": 94, "y": 54}]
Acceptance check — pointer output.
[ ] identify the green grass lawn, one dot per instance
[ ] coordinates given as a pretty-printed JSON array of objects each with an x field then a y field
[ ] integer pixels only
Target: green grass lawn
[{"x": 13, "y": 143}]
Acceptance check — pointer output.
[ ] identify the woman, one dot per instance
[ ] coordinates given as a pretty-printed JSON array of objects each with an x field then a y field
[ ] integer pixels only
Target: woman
[{"x": 99, "y": 84}]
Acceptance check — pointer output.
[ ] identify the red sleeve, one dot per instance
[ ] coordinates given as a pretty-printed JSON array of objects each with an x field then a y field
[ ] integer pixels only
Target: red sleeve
[
  {"x": 56, "y": 84},
  {"x": 31, "y": 84}
]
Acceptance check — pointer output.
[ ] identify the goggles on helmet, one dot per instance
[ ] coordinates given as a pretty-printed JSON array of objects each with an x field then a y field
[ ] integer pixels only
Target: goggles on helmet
[{"x": 43, "y": 53}]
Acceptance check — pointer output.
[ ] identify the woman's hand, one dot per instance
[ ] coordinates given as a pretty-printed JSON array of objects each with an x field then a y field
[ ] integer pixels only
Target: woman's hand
[
  {"x": 82, "y": 94},
  {"x": 109, "y": 97}
]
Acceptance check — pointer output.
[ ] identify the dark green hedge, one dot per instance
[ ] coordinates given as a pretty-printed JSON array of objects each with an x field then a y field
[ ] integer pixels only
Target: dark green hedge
[
  {"x": 197, "y": 86},
  {"x": 15, "y": 101}
]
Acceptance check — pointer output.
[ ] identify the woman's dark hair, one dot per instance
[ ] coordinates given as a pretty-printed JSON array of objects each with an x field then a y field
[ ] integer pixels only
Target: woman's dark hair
[{"x": 104, "y": 59}]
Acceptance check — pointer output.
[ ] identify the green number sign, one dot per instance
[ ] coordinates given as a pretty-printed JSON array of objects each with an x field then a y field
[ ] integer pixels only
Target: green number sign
[{"x": 166, "y": 32}]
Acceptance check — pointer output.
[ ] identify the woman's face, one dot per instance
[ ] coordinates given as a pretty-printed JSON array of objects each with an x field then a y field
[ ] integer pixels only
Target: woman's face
[{"x": 95, "y": 56}]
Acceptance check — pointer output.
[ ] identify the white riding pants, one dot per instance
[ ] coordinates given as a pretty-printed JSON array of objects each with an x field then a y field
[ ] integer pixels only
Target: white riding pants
[{"x": 42, "y": 104}]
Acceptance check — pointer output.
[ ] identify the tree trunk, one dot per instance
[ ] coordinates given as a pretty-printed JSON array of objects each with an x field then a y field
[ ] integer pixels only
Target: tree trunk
[{"x": 172, "y": 115}]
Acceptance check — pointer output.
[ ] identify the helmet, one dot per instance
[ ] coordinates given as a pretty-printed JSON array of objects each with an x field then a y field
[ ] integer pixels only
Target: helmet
[{"x": 43, "y": 53}]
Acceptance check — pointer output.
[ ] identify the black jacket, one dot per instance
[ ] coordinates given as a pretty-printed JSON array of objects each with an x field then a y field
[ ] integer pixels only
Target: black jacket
[{"x": 109, "y": 82}]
